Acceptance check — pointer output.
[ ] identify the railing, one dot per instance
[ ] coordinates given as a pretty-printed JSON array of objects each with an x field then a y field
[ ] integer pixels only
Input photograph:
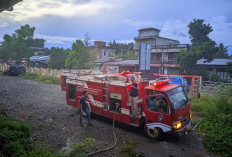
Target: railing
[
  {"x": 213, "y": 87},
  {"x": 163, "y": 61},
  {"x": 172, "y": 46}
]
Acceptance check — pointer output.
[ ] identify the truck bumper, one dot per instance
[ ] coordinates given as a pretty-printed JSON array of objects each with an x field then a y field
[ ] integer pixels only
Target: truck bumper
[{"x": 190, "y": 126}]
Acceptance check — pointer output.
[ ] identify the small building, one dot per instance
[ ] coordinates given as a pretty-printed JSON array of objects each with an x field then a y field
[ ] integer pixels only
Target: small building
[
  {"x": 157, "y": 54},
  {"x": 123, "y": 65},
  {"x": 100, "y": 62},
  {"x": 102, "y": 50},
  {"x": 216, "y": 67}
]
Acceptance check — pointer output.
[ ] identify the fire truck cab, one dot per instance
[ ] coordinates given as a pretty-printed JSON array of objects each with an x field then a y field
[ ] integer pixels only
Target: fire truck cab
[
  {"x": 162, "y": 107},
  {"x": 166, "y": 108}
]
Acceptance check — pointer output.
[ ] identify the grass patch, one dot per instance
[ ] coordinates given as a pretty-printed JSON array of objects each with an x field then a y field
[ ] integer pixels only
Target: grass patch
[
  {"x": 216, "y": 110},
  {"x": 15, "y": 142},
  {"x": 129, "y": 149},
  {"x": 43, "y": 151},
  {"x": 41, "y": 78},
  {"x": 80, "y": 148}
]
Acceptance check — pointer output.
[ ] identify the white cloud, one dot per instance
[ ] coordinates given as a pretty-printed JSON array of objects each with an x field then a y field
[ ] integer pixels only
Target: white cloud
[
  {"x": 125, "y": 41},
  {"x": 175, "y": 30},
  {"x": 3, "y": 25},
  {"x": 28, "y": 9},
  {"x": 55, "y": 39},
  {"x": 140, "y": 23},
  {"x": 222, "y": 30}
]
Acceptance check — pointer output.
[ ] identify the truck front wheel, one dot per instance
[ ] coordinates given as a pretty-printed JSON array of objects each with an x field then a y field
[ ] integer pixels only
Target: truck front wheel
[{"x": 153, "y": 132}]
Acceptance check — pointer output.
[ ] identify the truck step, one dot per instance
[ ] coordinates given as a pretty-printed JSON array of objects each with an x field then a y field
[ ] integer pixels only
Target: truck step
[{"x": 135, "y": 125}]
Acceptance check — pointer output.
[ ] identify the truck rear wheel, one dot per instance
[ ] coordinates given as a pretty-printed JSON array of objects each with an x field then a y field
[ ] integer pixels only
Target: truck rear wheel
[{"x": 153, "y": 133}]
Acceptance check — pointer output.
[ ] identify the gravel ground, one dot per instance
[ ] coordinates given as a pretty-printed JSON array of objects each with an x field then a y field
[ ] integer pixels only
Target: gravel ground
[{"x": 53, "y": 122}]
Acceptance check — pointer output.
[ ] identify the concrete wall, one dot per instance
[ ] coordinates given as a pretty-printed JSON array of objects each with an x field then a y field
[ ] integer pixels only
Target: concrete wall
[
  {"x": 144, "y": 33},
  {"x": 106, "y": 52},
  {"x": 163, "y": 41}
]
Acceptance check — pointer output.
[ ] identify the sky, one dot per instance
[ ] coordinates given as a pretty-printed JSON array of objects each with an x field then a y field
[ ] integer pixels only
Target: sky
[{"x": 61, "y": 22}]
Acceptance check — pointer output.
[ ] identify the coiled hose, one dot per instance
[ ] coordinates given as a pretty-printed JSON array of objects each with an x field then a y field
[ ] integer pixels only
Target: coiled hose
[{"x": 115, "y": 138}]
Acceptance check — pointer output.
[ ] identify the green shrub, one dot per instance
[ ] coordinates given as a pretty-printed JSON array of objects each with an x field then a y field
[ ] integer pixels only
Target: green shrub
[
  {"x": 14, "y": 138},
  {"x": 214, "y": 78},
  {"x": 216, "y": 110}
]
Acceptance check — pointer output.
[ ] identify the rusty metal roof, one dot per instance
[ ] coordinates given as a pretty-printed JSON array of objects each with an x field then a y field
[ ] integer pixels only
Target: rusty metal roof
[{"x": 214, "y": 62}]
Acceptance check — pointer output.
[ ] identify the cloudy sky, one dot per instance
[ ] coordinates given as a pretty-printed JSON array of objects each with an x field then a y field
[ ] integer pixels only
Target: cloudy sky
[{"x": 61, "y": 22}]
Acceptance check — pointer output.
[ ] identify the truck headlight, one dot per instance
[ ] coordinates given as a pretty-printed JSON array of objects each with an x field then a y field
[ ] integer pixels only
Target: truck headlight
[
  {"x": 177, "y": 125},
  {"x": 190, "y": 115}
]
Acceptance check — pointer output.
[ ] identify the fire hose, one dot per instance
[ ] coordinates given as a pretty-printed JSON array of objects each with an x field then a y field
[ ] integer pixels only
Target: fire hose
[{"x": 115, "y": 138}]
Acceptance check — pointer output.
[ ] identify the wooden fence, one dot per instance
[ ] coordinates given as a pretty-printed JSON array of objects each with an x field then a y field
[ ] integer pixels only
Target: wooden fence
[{"x": 40, "y": 71}]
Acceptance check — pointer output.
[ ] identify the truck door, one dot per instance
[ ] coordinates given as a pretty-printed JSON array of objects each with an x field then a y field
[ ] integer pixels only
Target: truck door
[{"x": 157, "y": 112}]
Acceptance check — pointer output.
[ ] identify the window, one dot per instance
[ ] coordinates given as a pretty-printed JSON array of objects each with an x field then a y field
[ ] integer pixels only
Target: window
[
  {"x": 153, "y": 92},
  {"x": 71, "y": 92},
  {"x": 157, "y": 104}
]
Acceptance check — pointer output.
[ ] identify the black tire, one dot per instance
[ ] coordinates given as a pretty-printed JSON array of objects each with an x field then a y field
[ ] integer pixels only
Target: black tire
[{"x": 153, "y": 133}]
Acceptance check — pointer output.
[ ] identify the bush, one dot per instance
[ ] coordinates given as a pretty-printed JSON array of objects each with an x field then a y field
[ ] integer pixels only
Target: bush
[
  {"x": 14, "y": 138},
  {"x": 216, "y": 110},
  {"x": 214, "y": 78},
  {"x": 41, "y": 78}
]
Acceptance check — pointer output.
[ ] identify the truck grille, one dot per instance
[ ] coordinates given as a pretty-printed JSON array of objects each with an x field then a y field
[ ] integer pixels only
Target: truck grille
[{"x": 185, "y": 120}]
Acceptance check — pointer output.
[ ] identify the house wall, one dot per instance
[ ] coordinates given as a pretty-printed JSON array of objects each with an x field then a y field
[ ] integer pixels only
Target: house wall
[
  {"x": 144, "y": 33},
  {"x": 164, "y": 41},
  {"x": 106, "y": 52}
]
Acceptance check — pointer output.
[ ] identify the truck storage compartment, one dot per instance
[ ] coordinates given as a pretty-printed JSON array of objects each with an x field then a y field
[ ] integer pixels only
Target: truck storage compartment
[{"x": 115, "y": 99}]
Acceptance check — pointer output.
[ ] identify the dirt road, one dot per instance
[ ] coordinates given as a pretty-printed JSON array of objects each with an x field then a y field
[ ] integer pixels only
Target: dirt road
[{"x": 55, "y": 123}]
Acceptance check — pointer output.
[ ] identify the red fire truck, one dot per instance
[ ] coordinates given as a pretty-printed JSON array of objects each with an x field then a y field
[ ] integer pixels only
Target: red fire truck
[{"x": 163, "y": 107}]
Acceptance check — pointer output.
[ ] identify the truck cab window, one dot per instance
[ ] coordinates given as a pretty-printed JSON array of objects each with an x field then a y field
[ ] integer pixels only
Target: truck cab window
[
  {"x": 153, "y": 92},
  {"x": 157, "y": 104}
]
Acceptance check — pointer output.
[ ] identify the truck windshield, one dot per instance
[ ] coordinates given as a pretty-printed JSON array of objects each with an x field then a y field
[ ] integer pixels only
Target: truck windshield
[{"x": 177, "y": 97}]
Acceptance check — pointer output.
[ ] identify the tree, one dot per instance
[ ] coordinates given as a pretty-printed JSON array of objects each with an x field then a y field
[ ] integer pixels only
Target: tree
[
  {"x": 18, "y": 45},
  {"x": 199, "y": 31},
  {"x": 87, "y": 39},
  {"x": 222, "y": 51},
  {"x": 121, "y": 49},
  {"x": 80, "y": 56},
  {"x": 202, "y": 48},
  {"x": 58, "y": 57},
  {"x": 130, "y": 55}
]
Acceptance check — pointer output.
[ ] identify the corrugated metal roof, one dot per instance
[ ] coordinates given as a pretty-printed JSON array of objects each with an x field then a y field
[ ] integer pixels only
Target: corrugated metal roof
[
  {"x": 124, "y": 62},
  {"x": 149, "y": 28},
  {"x": 214, "y": 62}
]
